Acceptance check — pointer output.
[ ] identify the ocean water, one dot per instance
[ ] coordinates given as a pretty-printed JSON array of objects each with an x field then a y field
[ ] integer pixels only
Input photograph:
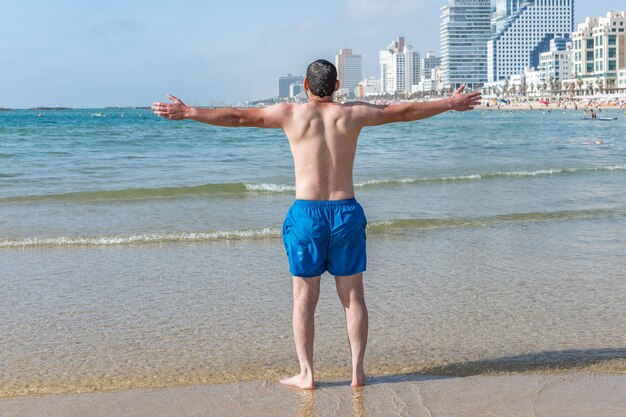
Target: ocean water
[{"x": 137, "y": 251}]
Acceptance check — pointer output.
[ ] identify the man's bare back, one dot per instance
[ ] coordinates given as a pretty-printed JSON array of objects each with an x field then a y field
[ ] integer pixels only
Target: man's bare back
[{"x": 323, "y": 137}]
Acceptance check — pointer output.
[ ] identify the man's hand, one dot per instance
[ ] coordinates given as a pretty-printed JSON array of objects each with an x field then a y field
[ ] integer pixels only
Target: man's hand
[
  {"x": 173, "y": 111},
  {"x": 464, "y": 102}
]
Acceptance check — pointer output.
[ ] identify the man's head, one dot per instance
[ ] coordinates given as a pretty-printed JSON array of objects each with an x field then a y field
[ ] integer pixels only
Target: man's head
[{"x": 321, "y": 78}]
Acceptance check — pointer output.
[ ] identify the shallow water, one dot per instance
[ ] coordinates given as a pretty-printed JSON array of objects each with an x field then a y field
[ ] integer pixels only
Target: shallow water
[
  {"x": 97, "y": 175},
  {"x": 136, "y": 252}
]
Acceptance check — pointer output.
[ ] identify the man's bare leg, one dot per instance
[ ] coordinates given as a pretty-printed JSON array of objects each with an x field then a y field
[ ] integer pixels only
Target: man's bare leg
[
  {"x": 306, "y": 292},
  {"x": 350, "y": 291}
]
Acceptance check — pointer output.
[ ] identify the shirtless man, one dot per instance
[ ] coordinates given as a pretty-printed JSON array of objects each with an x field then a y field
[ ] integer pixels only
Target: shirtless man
[{"x": 325, "y": 228}]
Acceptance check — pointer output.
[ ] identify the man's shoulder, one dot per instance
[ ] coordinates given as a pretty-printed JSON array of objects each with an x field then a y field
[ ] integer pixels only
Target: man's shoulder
[
  {"x": 280, "y": 106},
  {"x": 279, "y": 110},
  {"x": 363, "y": 105},
  {"x": 363, "y": 110}
]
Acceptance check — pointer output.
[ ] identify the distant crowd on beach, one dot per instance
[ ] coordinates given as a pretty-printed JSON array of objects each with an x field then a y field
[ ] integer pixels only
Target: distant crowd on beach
[
  {"x": 521, "y": 103},
  {"x": 547, "y": 104},
  {"x": 587, "y": 104}
]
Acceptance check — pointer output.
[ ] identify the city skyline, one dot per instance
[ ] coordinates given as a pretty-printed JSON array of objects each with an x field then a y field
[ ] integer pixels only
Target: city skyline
[{"x": 209, "y": 53}]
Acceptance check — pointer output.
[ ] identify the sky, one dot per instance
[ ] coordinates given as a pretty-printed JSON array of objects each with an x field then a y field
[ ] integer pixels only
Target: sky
[{"x": 96, "y": 53}]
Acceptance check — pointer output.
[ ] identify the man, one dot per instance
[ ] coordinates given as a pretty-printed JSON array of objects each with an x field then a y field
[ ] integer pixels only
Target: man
[{"x": 325, "y": 228}]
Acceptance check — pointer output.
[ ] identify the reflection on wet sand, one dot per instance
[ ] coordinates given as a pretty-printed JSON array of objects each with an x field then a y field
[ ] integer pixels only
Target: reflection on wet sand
[
  {"x": 307, "y": 406},
  {"x": 358, "y": 402}
]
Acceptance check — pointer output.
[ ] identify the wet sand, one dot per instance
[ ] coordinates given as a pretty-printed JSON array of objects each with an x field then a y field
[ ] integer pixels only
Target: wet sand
[{"x": 569, "y": 394}]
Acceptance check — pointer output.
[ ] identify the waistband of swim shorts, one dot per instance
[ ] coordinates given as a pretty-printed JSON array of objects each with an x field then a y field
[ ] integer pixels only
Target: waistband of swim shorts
[{"x": 325, "y": 203}]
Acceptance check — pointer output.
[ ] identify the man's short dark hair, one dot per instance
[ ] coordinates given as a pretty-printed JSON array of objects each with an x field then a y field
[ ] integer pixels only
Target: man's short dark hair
[{"x": 322, "y": 77}]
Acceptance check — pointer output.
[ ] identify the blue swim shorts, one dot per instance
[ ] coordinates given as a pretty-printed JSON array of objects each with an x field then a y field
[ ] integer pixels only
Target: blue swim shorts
[{"x": 324, "y": 236}]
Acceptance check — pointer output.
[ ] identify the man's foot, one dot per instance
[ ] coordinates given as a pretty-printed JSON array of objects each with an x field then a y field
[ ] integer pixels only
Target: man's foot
[
  {"x": 358, "y": 380},
  {"x": 300, "y": 381}
]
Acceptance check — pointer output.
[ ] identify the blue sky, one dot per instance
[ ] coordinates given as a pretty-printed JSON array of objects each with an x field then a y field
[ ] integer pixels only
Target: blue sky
[{"x": 105, "y": 53}]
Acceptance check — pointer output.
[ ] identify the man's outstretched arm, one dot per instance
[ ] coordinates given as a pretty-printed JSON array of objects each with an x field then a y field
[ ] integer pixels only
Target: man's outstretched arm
[
  {"x": 373, "y": 115},
  {"x": 269, "y": 117}
]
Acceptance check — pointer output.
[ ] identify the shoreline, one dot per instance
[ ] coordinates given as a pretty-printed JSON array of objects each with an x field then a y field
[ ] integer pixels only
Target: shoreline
[
  {"x": 555, "y": 394},
  {"x": 614, "y": 363},
  {"x": 600, "y": 362},
  {"x": 514, "y": 104},
  {"x": 551, "y": 107}
]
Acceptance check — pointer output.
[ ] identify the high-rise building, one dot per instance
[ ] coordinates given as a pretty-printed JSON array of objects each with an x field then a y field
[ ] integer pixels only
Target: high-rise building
[
  {"x": 525, "y": 34},
  {"x": 399, "y": 67},
  {"x": 599, "y": 50},
  {"x": 504, "y": 10},
  {"x": 349, "y": 70},
  {"x": 429, "y": 63},
  {"x": 285, "y": 82},
  {"x": 465, "y": 30}
]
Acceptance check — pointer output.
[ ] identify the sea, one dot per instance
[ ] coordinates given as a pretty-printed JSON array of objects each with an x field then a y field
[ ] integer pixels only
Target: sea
[{"x": 141, "y": 252}]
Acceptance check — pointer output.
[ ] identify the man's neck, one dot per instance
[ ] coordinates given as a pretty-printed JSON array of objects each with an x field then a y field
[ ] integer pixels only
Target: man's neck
[{"x": 317, "y": 99}]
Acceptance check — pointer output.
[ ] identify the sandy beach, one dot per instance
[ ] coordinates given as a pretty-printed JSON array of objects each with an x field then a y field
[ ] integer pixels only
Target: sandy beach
[
  {"x": 569, "y": 394},
  {"x": 550, "y": 105},
  {"x": 143, "y": 271}
]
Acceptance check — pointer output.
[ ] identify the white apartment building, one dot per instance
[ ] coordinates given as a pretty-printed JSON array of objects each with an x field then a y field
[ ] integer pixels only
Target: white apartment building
[
  {"x": 598, "y": 50},
  {"x": 525, "y": 34},
  {"x": 465, "y": 30},
  {"x": 429, "y": 63},
  {"x": 437, "y": 75},
  {"x": 368, "y": 87},
  {"x": 517, "y": 84},
  {"x": 425, "y": 86},
  {"x": 430, "y": 84},
  {"x": 556, "y": 64},
  {"x": 399, "y": 67},
  {"x": 349, "y": 71},
  {"x": 535, "y": 82}
]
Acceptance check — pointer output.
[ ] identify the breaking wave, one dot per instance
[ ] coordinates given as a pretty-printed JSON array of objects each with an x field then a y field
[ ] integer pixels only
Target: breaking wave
[
  {"x": 243, "y": 188},
  {"x": 378, "y": 227}
]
